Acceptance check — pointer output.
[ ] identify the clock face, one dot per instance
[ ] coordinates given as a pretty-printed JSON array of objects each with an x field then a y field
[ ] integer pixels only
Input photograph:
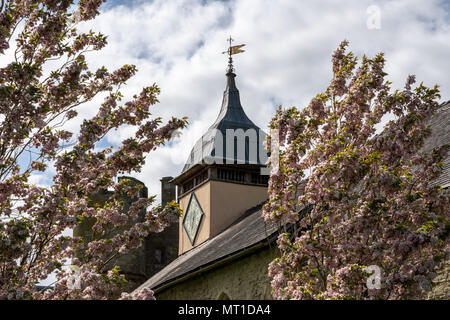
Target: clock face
[{"x": 192, "y": 218}]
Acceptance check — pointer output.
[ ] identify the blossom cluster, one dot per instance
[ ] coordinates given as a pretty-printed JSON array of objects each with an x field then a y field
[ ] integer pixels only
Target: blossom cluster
[
  {"x": 372, "y": 196},
  {"x": 34, "y": 106}
]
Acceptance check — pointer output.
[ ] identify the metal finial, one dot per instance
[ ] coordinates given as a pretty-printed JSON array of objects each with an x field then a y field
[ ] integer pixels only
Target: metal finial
[
  {"x": 230, "y": 39},
  {"x": 232, "y": 50}
]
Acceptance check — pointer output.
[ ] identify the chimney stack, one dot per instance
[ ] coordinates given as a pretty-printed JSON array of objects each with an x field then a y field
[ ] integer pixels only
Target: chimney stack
[{"x": 167, "y": 190}]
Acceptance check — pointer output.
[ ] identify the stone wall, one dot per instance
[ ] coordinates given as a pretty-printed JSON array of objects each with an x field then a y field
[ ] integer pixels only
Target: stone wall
[
  {"x": 441, "y": 288},
  {"x": 244, "y": 278},
  {"x": 158, "y": 250}
]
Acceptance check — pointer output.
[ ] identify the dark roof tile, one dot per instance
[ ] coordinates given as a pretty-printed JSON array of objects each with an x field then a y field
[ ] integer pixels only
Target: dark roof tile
[
  {"x": 239, "y": 236},
  {"x": 251, "y": 229}
]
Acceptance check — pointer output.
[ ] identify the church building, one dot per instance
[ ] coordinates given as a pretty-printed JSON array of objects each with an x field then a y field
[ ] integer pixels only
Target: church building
[{"x": 224, "y": 245}]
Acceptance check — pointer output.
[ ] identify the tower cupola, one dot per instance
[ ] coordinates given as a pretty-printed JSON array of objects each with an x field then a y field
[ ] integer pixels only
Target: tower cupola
[{"x": 222, "y": 175}]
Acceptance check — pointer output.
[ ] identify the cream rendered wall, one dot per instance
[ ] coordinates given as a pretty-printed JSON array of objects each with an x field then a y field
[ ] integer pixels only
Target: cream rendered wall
[
  {"x": 230, "y": 200},
  {"x": 203, "y": 196},
  {"x": 222, "y": 203}
]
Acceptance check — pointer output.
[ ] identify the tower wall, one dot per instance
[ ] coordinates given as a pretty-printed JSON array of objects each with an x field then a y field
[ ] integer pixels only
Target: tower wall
[
  {"x": 203, "y": 194},
  {"x": 222, "y": 204}
]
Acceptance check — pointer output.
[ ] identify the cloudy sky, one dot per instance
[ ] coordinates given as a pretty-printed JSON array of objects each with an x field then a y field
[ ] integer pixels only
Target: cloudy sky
[{"x": 178, "y": 45}]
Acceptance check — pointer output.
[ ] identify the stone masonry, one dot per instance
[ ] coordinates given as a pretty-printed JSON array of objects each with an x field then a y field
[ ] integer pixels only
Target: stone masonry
[{"x": 244, "y": 278}]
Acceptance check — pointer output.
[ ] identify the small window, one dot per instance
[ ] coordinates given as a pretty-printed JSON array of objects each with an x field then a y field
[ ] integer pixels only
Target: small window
[
  {"x": 260, "y": 179},
  {"x": 188, "y": 186},
  {"x": 223, "y": 296},
  {"x": 231, "y": 175},
  {"x": 158, "y": 255}
]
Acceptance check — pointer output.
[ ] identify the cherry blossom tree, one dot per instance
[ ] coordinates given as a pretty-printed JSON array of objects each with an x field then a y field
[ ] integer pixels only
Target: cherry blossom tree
[
  {"x": 362, "y": 217},
  {"x": 36, "y": 101}
]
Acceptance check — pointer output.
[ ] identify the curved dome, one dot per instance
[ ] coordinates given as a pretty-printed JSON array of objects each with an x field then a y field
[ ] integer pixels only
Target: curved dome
[{"x": 232, "y": 138}]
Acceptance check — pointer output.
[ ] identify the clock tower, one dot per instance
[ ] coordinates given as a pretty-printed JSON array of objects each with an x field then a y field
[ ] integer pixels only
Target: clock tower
[{"x": 222, "y": 176}]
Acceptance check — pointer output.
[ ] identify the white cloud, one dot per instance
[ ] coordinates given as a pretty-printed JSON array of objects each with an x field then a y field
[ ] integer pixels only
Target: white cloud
[{"x": 178, "y": 45}]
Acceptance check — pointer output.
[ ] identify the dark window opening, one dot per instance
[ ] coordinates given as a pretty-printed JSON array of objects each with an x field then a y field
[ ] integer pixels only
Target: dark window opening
[
  {"x": 196, "y": 181},
  {"x": 202, "y": 177},
  {"x": 159, "y": 255},
  {"x": 231, "y": 175},
  {"x": 259, "y": 179},
  {"x": 188, "y": 186},
  {"x": 223, "y": 296}
]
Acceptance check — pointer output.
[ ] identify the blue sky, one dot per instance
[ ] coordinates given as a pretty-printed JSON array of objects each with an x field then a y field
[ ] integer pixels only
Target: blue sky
[{"x": 178, "y": 45}]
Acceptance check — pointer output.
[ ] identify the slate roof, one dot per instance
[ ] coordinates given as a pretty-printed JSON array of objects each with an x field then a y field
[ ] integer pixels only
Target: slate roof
[
  {"x": 247, "y": 231},
  {"x": 250, "y": 229},
  {"x": 440, "y": 135},
  {"x": 232, "y": 116}
]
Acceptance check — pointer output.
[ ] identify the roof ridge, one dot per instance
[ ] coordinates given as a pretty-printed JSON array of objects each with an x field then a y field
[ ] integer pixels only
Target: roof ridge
[{"x": 445, "y": 105}]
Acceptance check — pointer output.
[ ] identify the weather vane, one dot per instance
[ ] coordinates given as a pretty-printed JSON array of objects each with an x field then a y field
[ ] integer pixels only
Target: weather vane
[{"x": 232, "y": 50}]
